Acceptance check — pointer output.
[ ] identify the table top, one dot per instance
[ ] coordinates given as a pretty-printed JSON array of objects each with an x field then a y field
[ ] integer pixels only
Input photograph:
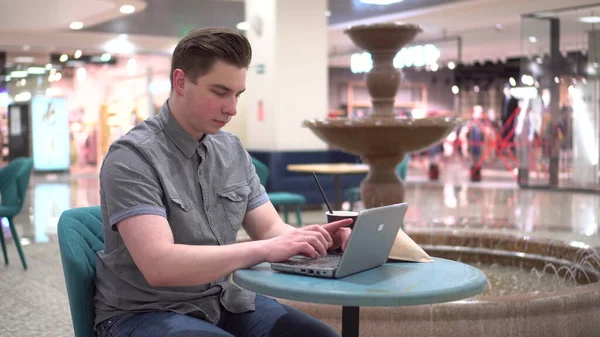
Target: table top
[
  {"x": 392, "y": 284},
  {"x": 331, "y": 168}
]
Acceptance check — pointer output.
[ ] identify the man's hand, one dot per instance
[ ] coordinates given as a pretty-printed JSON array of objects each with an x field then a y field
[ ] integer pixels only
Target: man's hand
[
  {"x": 339, "y": 232},
  {"x": 311, "y": 241},
  {"x": 336, "y": 233}
]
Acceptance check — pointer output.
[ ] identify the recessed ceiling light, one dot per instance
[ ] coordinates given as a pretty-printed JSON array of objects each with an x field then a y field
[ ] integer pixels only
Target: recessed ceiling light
[
  {"x": 76, "y": 25},
  {"x": 589, "y": 19},
  {"x": 532, "y": 39},
  {"x": 105, "y": 57},
  {"x": 380, "y": 2},
  {"x": 36, "y": 70},
  {"x": 63, "y": 58},
  {"x": 244, "y": 25},
  {"x": 327, "y": 13},
  {"x": 77, "y": 54},
  {"x": 127, "y": 9}
]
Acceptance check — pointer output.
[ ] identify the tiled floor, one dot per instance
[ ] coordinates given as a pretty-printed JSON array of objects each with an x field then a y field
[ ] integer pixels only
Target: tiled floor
[{"x": 34, "y": 302}]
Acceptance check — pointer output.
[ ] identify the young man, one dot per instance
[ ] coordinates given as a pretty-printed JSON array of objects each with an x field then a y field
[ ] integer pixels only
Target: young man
[{"x": 175, "y": 190}]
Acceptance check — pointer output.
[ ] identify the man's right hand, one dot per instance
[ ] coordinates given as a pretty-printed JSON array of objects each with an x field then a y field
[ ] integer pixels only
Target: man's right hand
[
  {"x": 311, "y": 243},
  {"x": 298, "y": 242}
]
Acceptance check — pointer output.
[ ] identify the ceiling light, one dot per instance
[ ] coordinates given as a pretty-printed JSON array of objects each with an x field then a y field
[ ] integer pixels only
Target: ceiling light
[
  {"x": 63, "y": 58},
  {"x": 36, "y": 70},
  {"x": 127, "y": 9},
  {"x": 243, "y": 25},
  {"x": 105, "y": 57},
  {"x": 327, "y": 13},
  {"x": 48, "y": 66},
  {"x": 24, "y": 59},
  {"x": 22, "y": 97},
  {"x": 77, "y": 54},
  {"x": 76, "y": 25},
  {"x": 119, "y": 45},
  {"x": 589, "y": 19},
  {"x": 26, "y": 47},
  {"x": 380, "y": 2},
  {"x": 532, "y": 39},
  {"x": 18, "y": 74},
  {"x": 451, "y": 65}
]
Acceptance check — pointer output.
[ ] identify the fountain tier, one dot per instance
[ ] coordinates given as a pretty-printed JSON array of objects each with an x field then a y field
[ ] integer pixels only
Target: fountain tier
[{"x": 381, "y": 139}]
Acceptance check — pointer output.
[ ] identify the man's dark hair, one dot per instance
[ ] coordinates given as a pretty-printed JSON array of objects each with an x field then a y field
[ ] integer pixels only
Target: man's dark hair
[{"x": 198, "y": 51}]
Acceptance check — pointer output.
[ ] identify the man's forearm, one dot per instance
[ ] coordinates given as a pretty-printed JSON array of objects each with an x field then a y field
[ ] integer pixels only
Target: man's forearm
[
  {"x": 190, "y": 265},
  {"x": 276, "y": 229}
]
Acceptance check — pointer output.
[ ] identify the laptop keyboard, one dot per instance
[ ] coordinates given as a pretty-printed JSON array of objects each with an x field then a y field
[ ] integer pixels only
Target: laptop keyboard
[{"x": 329, "y": 261}]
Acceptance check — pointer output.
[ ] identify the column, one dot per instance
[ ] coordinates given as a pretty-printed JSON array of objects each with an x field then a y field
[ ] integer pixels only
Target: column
[
  {"x": 555, "y": 57},
  {"x": 287, "y": 79}
]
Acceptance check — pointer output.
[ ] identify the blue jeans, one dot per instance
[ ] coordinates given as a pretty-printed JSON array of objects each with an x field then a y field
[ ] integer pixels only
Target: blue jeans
[{"x": 270, "y": 319}]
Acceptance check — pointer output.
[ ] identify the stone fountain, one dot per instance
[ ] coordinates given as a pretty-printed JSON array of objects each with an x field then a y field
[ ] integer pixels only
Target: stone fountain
[
  {"x": 382, "y": 139},
  {"x": 554, "y": 286}
]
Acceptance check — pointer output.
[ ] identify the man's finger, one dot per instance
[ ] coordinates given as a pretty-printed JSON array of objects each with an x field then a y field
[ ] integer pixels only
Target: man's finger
[
  {"x": 325, "y": 234},
  {"x": 332, "y": 227},
  {"x": 345, "y": 235}
]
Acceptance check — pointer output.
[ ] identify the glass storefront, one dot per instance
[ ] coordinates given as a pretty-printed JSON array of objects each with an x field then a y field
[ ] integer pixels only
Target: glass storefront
[
  {"x": 76, "y": 110},
  {"x": 556, "y": 120}
]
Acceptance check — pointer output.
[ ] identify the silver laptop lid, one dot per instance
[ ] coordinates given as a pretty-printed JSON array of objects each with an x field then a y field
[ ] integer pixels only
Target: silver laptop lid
[{"x": 372, "y": 238}]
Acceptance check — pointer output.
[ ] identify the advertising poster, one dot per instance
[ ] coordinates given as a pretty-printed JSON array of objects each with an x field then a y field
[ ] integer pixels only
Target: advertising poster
[{"x": 50, "y": 133}]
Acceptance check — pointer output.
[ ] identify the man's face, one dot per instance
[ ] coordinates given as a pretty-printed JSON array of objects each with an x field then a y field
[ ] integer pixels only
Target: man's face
[{"x": 212, "y": 101}]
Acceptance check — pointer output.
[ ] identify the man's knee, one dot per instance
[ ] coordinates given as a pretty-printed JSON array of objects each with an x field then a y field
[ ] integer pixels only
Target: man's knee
[{"x": 295, "y": 323}]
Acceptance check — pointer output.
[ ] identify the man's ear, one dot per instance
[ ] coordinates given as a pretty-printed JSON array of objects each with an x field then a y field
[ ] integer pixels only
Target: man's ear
[{"x": 178, "y": 81}]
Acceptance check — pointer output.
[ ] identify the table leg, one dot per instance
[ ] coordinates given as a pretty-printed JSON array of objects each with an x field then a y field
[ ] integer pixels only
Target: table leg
[
  {"x": 337, "y": 186},
  {"x": 350, "y": 321}
]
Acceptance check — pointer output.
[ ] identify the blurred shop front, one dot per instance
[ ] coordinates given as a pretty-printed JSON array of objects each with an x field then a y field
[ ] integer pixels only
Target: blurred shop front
[
  {"x": 64, "y": 110},
  {"x": 557, "y": 119}
]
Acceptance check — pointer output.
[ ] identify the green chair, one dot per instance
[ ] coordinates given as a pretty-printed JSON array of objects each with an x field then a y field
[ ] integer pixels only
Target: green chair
[
  {"x": 353, "y": 194},
  {"x": 79, "y": 238},
  {"x": 14, "y": 181},
  {"x": 284, "y": 199}
]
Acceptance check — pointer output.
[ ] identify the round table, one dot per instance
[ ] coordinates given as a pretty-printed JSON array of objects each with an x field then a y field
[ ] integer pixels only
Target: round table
[{"x": 392, "y": 284}]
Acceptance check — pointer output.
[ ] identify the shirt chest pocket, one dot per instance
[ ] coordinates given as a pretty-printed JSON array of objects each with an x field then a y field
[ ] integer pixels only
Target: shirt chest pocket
[{"x": 234, "y": 202}]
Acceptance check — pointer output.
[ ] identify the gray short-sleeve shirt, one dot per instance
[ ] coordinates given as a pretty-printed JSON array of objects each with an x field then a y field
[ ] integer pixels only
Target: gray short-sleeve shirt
[{"x": 203, "y": 189}]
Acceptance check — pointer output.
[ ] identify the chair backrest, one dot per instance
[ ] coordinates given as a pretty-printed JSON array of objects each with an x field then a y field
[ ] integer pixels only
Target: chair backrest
[
  {"x": 79, "y": 238},
  {"x": 14, "y": 181},
  {"x": 262, "y": 171},
  {"x": 402, "y": 167}
]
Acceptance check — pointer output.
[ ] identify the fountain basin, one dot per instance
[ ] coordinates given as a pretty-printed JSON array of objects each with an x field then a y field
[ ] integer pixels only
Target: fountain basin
[
  {"x": 566, "y": 311},
  {"x": 373, "y": 136},
  {"x": 382, "y": 143},
  {"x": 382, "y": 36}
]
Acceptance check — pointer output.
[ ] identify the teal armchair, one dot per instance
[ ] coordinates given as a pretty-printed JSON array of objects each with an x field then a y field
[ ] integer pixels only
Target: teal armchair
[
  {"x": 14, "y": 181},
  {"x": 284, "y": 199},
  {"x": 79, "y": 238},
  {"x": 353, "y": 194}
]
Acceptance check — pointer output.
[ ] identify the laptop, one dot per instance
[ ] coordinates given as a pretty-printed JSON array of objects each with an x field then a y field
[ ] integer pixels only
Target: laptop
[{"x": 368, "y": 247}]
